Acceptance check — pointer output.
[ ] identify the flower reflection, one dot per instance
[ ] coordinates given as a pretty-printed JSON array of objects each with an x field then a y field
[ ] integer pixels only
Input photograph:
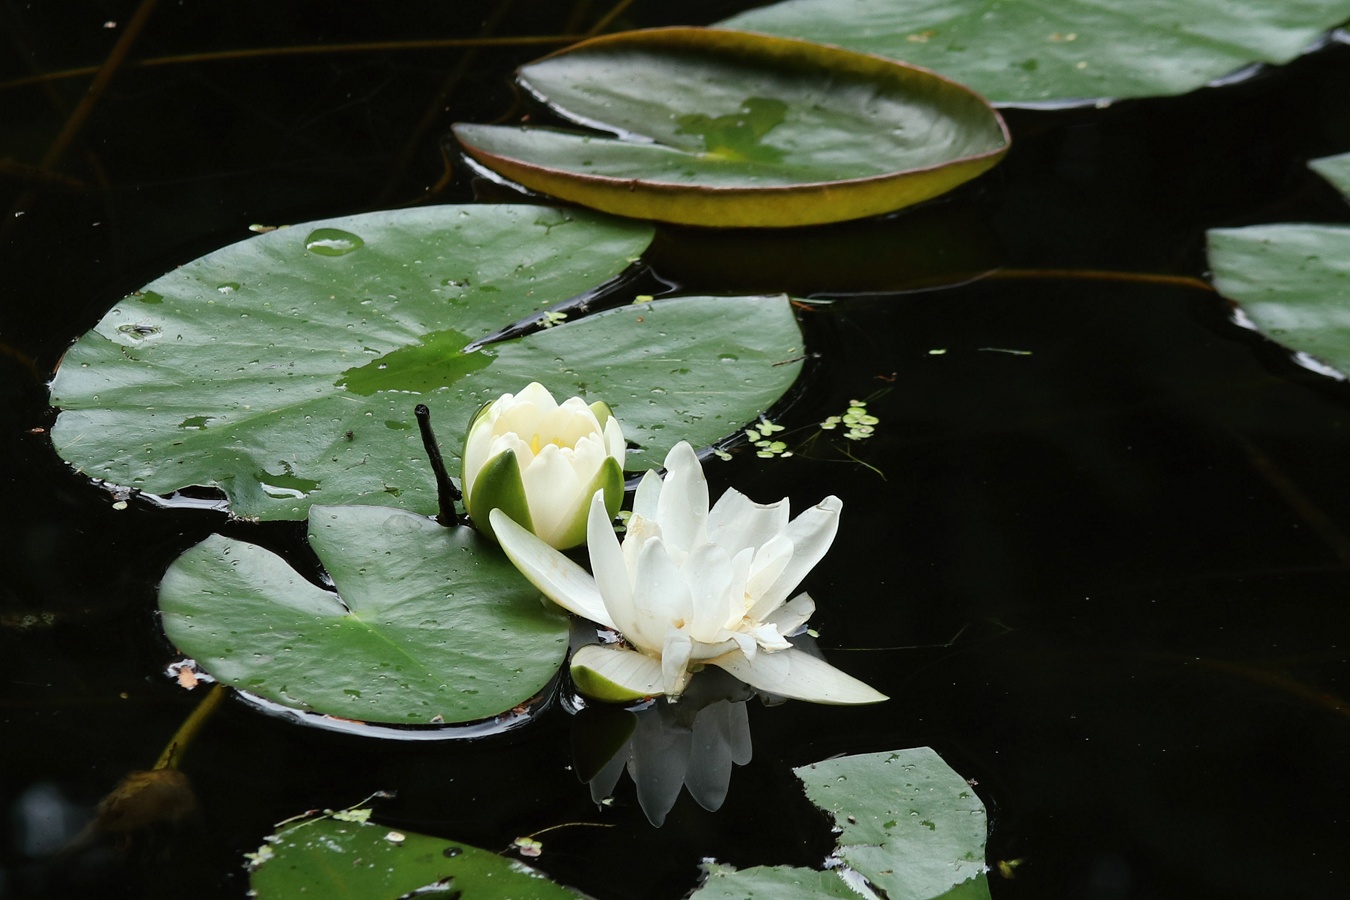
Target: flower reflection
[{"x": 691, "y": 744}]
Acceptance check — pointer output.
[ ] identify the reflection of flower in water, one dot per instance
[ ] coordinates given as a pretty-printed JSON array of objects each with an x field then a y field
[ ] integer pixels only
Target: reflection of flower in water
[{"x": 691, "y": 744}]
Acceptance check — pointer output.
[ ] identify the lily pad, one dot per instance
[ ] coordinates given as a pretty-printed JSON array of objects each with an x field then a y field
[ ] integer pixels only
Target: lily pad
[
  {"x": 427, "y": 624},
  {"x": 345, "y": 855},
  {"x": 1335, "y": 169},
  {"x": 284, "y": 370},
  {"x": 730, "y": 129},
  {"x": 1019, "y": 53},
  {"x": 911, "y": 825},
  {"x": 781, "y": 882},
  {"x": 908, "y": 824},
  {"x": 1292, "y": 281}
]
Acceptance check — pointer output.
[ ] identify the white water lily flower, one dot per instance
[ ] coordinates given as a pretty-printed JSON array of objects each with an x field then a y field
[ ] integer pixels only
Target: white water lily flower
[
  {"x": 541, "y": 462},
  {"x": 691, "y": 587}
]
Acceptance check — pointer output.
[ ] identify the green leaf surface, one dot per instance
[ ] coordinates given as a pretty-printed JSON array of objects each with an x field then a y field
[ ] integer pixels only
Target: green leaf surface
[
  {"x": 284, "y": 376},
  {"x": 1292, "y": 281},
  {"x": 1017, "y": 52},
  {"x": 728, "y": 129},
  {"x": 427, "y": 623},
  {"x": 345, "y": 858},
  {"x": 777, "y": 882},
  {"x": 1335, "y": 169},
  {"x": 911, "y": 825}
]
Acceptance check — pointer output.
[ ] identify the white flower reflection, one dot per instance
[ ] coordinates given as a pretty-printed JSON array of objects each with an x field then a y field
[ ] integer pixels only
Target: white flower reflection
[
  {"x": 691, "y": 587},
  {"x": 692, "y": 744}
]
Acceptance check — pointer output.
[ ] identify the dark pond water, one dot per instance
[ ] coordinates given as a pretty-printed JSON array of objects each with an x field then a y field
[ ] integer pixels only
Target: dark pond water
[{"x": 1106, "y": 577}]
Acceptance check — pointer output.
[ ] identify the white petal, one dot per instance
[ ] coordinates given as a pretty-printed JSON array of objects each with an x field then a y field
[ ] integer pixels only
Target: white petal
[
  {"x": 614, "y": 442},
  {"x": 740, "y": 578},
  {"x": 675, "y": 663},
  {"x": 800, "y": 676},
  {"x": 521, "y": 419},
  {"x": 568, "y": 423},
  {"x": 648, "y": 495},
  {"x": 607, "y": 564},
  {"x": 769, "y": 639},
  {"x": 736, "y": 522},
  {"x": 709, "y": 571},
  {"x": 769, "y": 563},
  {"x": 792, "y": 615},
  {"x": 561, "y": 580},
  {"x": 553, "y": 492},
  {"x": 476, "y": 455},
  {"x": 660, "y": 596},
  {"x": 811, "y": 534},
  {"x": 748, "y": 646},
  {"x": 634, "y": 673},
  {"x": 682, "y": 508},
  {"x": 537, "y": 395}
]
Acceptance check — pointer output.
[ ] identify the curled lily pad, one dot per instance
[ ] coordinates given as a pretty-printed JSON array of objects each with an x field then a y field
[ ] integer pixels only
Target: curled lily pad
[
  {"x": 426, "y": 624},
  {"x": 725, "y": 128},
  {"x": 1292, "y": 281},
  {"x": 284, "y": 369},
  {"x": 1028, "y": 53}
]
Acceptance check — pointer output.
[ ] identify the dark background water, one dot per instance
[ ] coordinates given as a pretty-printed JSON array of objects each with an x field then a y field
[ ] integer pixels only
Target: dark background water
[{"x": 1107, "y": 580}]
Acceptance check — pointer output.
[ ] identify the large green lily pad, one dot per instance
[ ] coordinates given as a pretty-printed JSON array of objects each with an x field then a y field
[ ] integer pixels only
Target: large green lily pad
[
  {"x": 427, "y": 624},
  {"x": 345, "y": 856},
  {"x": 284, "y": 370},
  {"x": 1018, "y": 52},
  {"x": 1292, "y": 281},
  {"x": 723, "y": 128}
]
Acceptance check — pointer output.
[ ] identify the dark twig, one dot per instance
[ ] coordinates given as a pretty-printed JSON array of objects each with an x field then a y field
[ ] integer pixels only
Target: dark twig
[{"x": 446, "y": 492}]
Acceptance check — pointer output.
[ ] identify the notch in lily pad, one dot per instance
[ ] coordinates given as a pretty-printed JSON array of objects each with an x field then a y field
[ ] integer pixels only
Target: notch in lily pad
[
  {"x": 724, "y": 128},
  {"x": 425, "y": 625}
]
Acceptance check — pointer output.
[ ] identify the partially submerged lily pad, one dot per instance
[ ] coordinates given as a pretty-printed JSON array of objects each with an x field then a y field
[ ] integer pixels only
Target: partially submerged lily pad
[
  {"x": 723, "y": 128},
  {"x": 345, "y": 855},
  {"x": 426, "y": 624},
  {"x": 1028, "y": 53},
  {"x": 1292, "y": 281},
  {"x": 284, "y": 369}
]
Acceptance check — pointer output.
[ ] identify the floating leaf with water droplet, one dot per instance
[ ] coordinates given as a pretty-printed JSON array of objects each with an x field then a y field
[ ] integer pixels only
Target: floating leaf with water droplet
[
  {"x": 728, "y": 129},
  {"x": 336, "y": 857},
  {"x": 1026, "y": 53},
  {"x": 298, "y": 384},
  {"x": 908, "y": 824},
  {"x": 424, "y": 622}
]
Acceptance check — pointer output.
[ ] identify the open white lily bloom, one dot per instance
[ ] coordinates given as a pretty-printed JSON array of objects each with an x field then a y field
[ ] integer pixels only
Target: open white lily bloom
[
  {"x": 691, "y": 587},
  {"x": 541, "y": 462}
]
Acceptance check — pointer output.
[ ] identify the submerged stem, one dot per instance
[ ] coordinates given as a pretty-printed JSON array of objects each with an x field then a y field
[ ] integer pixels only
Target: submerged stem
[
  {"x": 446, "y": 492},
  {"x": 172, "y": 756}
]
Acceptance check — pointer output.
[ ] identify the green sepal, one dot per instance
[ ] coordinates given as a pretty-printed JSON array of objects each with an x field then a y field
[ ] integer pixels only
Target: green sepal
[
  {"x": 499, "y": 486},
  {"x": 473, "y": 420},
  {"x": 602, "y": 413},
  {"x": 609, "y": 478},
  {"x": 614, "y": 676}
]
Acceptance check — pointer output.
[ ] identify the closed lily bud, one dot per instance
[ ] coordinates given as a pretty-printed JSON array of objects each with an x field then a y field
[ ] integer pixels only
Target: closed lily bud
[{"x": 541, "y": 462}]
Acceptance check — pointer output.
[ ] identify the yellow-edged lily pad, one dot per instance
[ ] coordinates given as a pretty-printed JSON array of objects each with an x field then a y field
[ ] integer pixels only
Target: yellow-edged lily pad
[{"x": 724, "y": 128}]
